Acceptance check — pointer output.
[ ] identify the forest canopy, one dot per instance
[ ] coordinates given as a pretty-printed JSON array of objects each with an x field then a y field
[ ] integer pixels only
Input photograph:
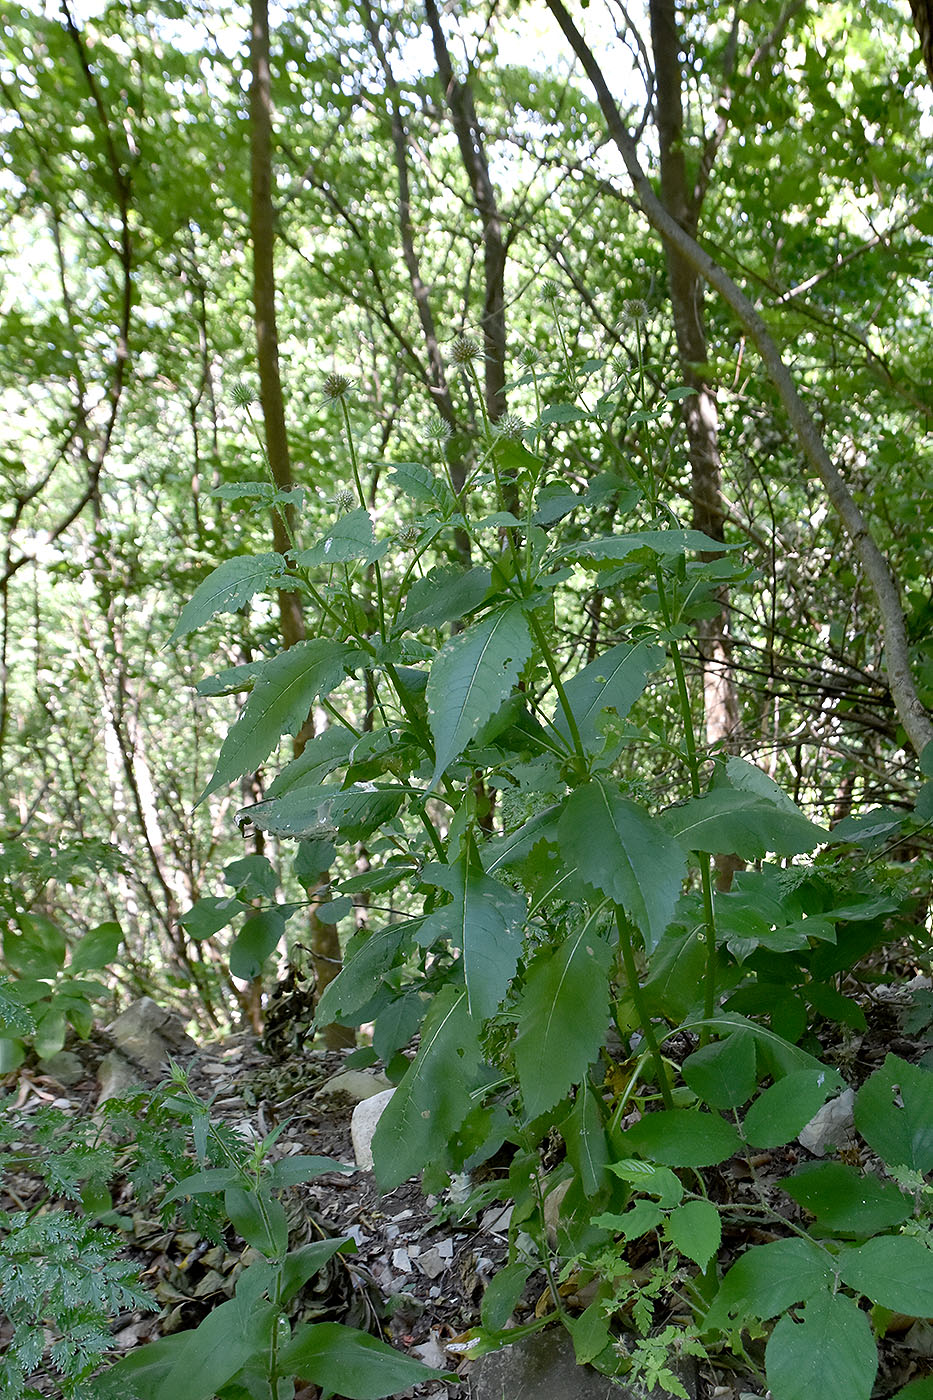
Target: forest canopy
[{"x": 466, "y": 512}]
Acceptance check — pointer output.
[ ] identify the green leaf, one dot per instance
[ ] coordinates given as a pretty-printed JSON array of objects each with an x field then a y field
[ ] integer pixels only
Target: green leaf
[
  {"x": 279, "y": 703},
  {"x": 226, "y": 1340},
  {"x": 421, "y": 484},
  {"x": 253, "y": 876},
  {"x": 503, "y": 1293},
  {"x": 14, "y": 1016},
  {"x": 210, "y": 914},
  {"x": 830, "y": 1352},
  {"x": 665, "y": 543},
  {"x": 36, "y": 948},
  {"x": 471, "y": 676},
  {"x": 623, "y": 853},
  {"x": 614, "y": 681},
  {"x": 291, "y": 1171},
  {"x": 696, "y": 1230},
  {"x": 585, "y": 1136},
  {"x": 563, "y": 1012},
  {"x": 769, "y": 1279},
  {"x": 894, "y": 1114},
  {"x": 847, "y": 1201},
  {"x": 351, "y": 536},
  {"x": 368, "y": 955},
  {"x": 202, "y": 1183},
  {"x": 632, "y": 1224},
  {"x": 233, "y": 679},
  {"x": 12, "y": 1054},
  {"x": 50, "y": 1033},
  {"x": 562, "y": 413},
  {"x": 682, "y": 1137},
  {"x": 257, "y": 939},
  {"x": 445, "y": 594},
  {"x": 649, "y": 1179},
  {"x": 227, "y": 588},
  {"x": 486, "y": 920},
  {"x": 329, "y": 812},
  {"x": 895, "y": 1271},
  {"x": 433, "y": 1099},
  {"x": 725, "y": 821},
  {"x": 259, "y": 1218},
  {"x": 921, "y": 1389},
  {"x": 321, "y": 755},
  {"x": 301, "y": 1264},
  {"x": 97, "y": 948},
  {"x": 344, "y": 1361},
  {"x": 785, "y": 1109},
  {"x": 723, "y": 1073}
]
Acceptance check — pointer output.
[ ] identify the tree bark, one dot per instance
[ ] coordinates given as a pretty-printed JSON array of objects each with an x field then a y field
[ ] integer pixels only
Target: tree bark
[
  {"x": 324, "y": 940},
  {"x": 700, "y": 414},
  {"x": 472, "y": 145},
  {"x": 916, "y": 722}
]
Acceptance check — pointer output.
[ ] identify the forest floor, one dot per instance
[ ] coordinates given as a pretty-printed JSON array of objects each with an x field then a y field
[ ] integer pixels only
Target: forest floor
[{"x": 419, "y": 1271}]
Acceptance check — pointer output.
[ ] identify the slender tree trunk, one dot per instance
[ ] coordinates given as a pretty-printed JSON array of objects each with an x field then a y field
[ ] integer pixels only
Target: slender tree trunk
[
  {"x": 701, "y": 418},
  {"x": 324, "y": 940},
  {"x": 472, "y": 145}
]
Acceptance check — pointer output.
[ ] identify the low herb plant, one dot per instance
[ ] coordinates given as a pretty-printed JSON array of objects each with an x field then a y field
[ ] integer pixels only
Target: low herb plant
[{"x": 537, "y": 807}]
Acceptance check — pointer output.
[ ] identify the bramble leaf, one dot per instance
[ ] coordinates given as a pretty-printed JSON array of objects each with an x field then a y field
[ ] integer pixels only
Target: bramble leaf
[{"x": 228, "y": 587}]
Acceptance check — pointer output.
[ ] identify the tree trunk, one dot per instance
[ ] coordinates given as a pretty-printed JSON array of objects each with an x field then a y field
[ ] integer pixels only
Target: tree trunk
[{"x": 324, "y": 940}]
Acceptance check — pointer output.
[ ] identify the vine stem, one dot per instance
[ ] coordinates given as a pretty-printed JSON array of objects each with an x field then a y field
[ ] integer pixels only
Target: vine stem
[{"x": 641, "y": 1009}]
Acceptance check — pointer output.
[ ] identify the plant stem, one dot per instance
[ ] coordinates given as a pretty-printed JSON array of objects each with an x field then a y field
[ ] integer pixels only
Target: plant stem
[
  {"x": 641, "y": 1010},
  {"x": 551, "y": 663}
]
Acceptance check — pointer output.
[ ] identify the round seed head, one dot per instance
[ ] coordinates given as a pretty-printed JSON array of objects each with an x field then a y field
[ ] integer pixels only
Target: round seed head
[
  {"x": 345, "y": 499},
  {"x": 336, "y": 387},
  {"x": 464, "y": 350},
  {"x": 511, "y": 426}
]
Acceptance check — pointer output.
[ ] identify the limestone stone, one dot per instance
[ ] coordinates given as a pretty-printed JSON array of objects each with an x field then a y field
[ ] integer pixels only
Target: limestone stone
[
  {"x": 543, "y": 1366},
  {"x": 355, "y": 1083},
  {"x": 366, "y": 1116},
  {"x": 144, "y": 1036}
]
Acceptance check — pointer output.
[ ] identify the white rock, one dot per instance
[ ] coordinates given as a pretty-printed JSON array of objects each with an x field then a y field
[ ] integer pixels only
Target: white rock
[
  {"x": 833, "y": 1126},
  {"x": 355, "y": 1083},
  {"x": 366, "y": 1115}
]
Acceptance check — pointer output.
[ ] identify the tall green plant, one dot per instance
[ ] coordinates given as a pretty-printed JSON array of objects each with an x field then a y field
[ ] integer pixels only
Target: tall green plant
[{"x": 544, "y": 896}]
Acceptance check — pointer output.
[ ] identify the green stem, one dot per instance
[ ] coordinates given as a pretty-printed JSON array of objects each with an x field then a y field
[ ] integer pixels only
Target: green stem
[
  {"x": 641, "y": 1009},
  {"x": 354, "y": 462},
  {"x": 551, "y": 663}
]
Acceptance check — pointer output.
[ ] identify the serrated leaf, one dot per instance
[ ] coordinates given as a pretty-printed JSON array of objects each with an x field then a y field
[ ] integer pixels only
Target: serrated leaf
[
  {"x": 894, "y": 1114},
  {"x": 486, "y": 920},
  {"x": 433, "y": 1098},
  {"x": 228, "y": 587},
  {"x": 321, "y": 755},
  {"x": 785, "y": 1109},
  {"x": 420, "y": 483},
  {"x": 471, "y": 676},
  {"x": 445, "y": 594},
  {"x": 252, "y": 875},
  {"x": 725, "y": 821},
  {"x": 368, "y": 955},
  {"x": 895, "y": 1271},
  {"x": 303, "y": 1263},
  {"x": 625, "y": 854},
  {"x": 848, "y": 1201},
  {"x": 232, "y": 680},
  {"x": 829, "y": 1352},
  {"x": 342, "y": 1360},
  {"x": 279, "y": 703},
  {"x": 647, "y": 1178},
  {"x": 584, "y": 1133},
  {"x": 633, "y": 1223},
  {"x": 256, "y": 941},
  {"x": 503, "y": 1293},
  {"x": 695, "y": 1229},
  {"x": 563, "y": 1013},
  {"x": 665, "y": 543},
  {"x": 614, "y": 681},
  {"x": 682, "y": 1137},
  {"x": 351, "y": 536},
  {"x": 769, "y": 1279},
  {"x": 202, "y": 1183},
  {"x": 562, "y": 413},
  {"x": 503, "y": 851},
  {"x": 291, "y": 1171},
  {"x": 748, "y": 777}
]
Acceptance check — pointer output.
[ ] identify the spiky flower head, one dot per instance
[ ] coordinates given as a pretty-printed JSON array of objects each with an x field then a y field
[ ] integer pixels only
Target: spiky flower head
[
  {"x": 408, "y": 535},
  {"x": 242, "y": 394},
  {"x": 511, "y": 426},
  {"x": 336, "y": 387},
  {"x": 437, "y": 430},
  {"x": 465, "y": 349},
  {"x": 528, "y": 357},
  {"x": 345, "y": 499},
  {"x": 551, "y": 292},
  {"x": 634, "y": 312}
]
